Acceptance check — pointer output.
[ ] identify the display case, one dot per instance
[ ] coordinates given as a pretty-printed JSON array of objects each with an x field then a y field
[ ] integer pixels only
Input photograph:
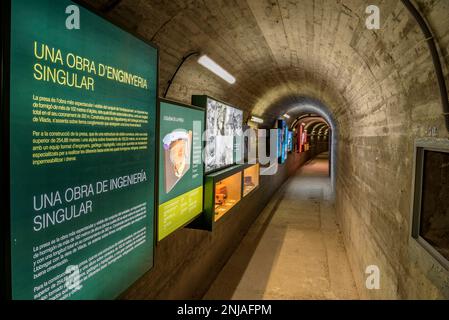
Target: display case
[
  {"x": 228, "y": 192},
  {"x": 222, "y": 195},
  {"x": 251, "y": 179}
]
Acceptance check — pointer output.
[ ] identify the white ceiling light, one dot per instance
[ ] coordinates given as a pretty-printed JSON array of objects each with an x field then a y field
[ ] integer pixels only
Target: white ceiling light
[
  {"x": 210, "y": 64},
  {"x": 286, "y": 116},
  {"x": 256, "y": 119}
]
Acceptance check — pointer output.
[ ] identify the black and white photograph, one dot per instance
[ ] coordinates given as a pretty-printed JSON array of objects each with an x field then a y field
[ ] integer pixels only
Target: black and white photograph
[{"x": 223, "y": 124}]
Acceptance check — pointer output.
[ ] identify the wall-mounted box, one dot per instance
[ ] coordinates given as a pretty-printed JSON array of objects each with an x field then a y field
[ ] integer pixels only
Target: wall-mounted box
[
  {"x": 228, "y": 192},
  {"x": 430, "y": 213},
  {"x": 251, "y": 178},
  {"x": 94, "y": 200},
  {"x": 222, "y": 194}
]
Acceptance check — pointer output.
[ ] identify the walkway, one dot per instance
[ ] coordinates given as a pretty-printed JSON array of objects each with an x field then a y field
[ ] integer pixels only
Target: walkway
[{"x": 294, "y": 250}]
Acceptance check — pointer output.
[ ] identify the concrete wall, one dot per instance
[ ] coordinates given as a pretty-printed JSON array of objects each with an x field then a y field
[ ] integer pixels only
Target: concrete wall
[
  {"x": 376, "y": 158},
  {"x": 189, "y": 260}
]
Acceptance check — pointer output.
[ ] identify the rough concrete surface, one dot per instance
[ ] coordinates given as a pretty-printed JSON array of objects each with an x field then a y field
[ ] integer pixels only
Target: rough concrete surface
[{"x": 294, "y": 250}]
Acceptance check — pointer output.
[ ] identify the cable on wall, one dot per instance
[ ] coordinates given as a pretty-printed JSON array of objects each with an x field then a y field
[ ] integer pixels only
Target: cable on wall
[
  {"x": 435, "y": 57},
  {"x": 184, "y": 59}
]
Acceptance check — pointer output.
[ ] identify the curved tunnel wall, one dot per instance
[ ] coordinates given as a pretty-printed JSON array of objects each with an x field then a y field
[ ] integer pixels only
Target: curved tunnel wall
[{"x": 379, "y": 85}]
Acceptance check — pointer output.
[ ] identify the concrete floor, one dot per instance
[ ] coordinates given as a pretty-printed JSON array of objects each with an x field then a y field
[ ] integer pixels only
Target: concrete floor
[{"x": 294, "y": 250}]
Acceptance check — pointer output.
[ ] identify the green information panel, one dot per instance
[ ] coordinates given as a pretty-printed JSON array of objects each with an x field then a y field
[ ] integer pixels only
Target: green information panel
[
  {"x": 82, "y": 125},
  {"x": 180, "y": 166}
]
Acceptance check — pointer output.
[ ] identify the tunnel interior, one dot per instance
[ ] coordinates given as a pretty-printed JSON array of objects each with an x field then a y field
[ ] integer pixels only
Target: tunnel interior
[
  {"x": 375, "y": 89},
  {"x": 361, "y": 96},
  {"x": 378, "y": 87}
]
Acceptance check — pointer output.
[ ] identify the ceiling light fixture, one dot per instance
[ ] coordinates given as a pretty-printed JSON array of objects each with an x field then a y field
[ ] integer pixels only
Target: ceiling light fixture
[
  {"x": 210, "y": 64},
  {"x": 256, "y": 119},
  {"x": 286, "y": 116}
]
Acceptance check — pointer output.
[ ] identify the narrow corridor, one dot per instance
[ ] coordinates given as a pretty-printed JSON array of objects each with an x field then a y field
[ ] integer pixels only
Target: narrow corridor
[
  {"x": 140, "y": 142},
  {"x": 294, "y": 250}
]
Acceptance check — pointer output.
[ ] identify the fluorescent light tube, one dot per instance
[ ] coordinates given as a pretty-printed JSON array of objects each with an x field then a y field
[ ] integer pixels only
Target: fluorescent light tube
[
  {"x": 256, "y": 119},
  {"x": 210, "y": 64}
]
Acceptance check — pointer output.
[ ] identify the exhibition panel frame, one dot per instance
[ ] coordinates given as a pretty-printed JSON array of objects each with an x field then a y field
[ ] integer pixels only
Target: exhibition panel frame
[
  {"x": 132, "y": 185},
  {"x": 290, "y": 141},
  {"x": 224, "y": 193},
  {"x": 190, "y": 195},
  {"x": 251, "y": 144},
  {"x": 221, "y": 133},
  {"x": 251, "y": 179},
  {"x": 282, "y": 141},
  {"x": 5, "y": 248},
  {"x": 428, "y": 206}
]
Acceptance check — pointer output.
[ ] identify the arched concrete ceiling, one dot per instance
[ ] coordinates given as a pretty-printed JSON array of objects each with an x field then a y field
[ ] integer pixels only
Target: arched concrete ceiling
[
  {"x": 313, "y": 122},
  {"x": 319, "y": 128},
  {"x": 308, "y": 120},
  {"x": 281, "y": 51}
]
